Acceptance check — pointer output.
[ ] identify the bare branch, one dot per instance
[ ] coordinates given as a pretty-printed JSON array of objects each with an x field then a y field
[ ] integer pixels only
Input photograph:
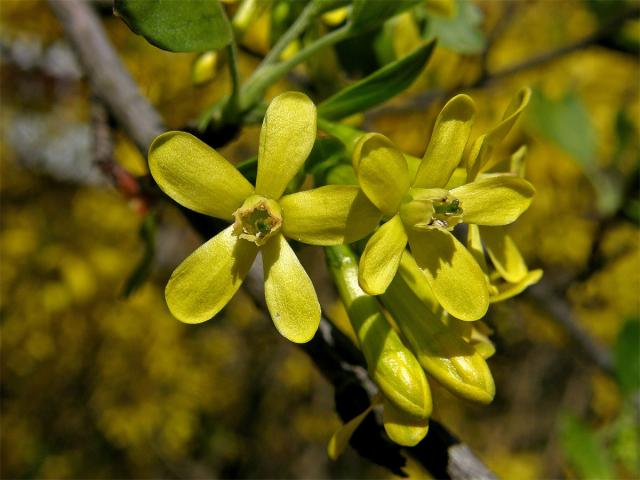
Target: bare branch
[
  {"x": 106, "y": 73},
  {"x": 546, "y": 297}
]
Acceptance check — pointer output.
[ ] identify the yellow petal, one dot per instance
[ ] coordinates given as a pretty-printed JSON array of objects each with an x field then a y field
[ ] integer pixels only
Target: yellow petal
[
  {"x": 504, "y": 254},
  {"x": 474, "y": 245},
  {"x": 450, "y": 135},
  {"x": 509, "y": 290},
  {"x": 413, "y": 275},
  {"x": 207, "y": 279},
  {"x": 494, "y": 200},
  {"x": 196, "y": 176},
  {"x": 403, "y": 429},
  {"x": 341, "y": 437},
  {"x": 382, "y": 171},
  {"x": 290, "y": 295},
  {"x": 517, "y": 162},
  {"x": 287, "y": 136},
  {"x": 454, "y": 276},
  {"x": 481, "y": 342},
  {"x": 480, "y": 156},
  {"x": 458, "y": 177},
  {"x": 380, "y": 259},
  {"x": 328, "y": 215}
]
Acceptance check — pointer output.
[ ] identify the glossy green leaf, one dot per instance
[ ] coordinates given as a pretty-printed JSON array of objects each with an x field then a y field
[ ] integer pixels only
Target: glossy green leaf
[
  {"x": 177, "y": 26},
  {"x": 369, "y": 14},
  {"x": 377, "y": 87}
]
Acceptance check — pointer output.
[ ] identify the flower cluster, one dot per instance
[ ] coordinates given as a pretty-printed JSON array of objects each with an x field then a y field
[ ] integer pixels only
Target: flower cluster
[{"x": 433, "y": 292}]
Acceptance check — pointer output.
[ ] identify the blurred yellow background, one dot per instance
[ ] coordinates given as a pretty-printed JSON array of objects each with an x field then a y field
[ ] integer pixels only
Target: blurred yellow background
[{"x": 98, "y": 386}]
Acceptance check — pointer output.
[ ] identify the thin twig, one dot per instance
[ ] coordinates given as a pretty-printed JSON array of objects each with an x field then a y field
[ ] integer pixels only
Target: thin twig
[
  {"x": 546, "y": 297},
  {"x": 106, "y": 73}
]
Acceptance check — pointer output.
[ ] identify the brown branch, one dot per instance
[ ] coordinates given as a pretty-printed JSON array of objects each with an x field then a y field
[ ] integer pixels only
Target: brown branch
[
  {"x": 106, "y": 73},
  {"x": 555, "y": 305},
  {"x": 333, "y": 354}
]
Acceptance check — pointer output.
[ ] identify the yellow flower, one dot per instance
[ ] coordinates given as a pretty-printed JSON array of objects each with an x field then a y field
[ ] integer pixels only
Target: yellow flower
[
  {"x": 199, "y": 178},
  {"x": 510, "y": 276},
  {"x": 422, "y": 211}
]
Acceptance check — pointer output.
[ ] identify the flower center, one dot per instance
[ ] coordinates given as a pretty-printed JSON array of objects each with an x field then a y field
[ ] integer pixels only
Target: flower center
[
  {"x": 257, "y": 219},
  {"x": 447, "y": 212},
  {"x": 431, "y": 208}
]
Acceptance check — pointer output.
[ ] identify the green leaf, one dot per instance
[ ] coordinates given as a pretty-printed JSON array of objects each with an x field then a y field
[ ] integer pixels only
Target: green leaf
[
  {"x": 177, "y": 26},
  {"x": 142, "y": 270},
  {"x": 567, "y": 123},
  {"x": 369, "y": 14},
  {"x": 583, "y": 450},
  {"x": 461, "y": 33},
  {"x": 377, "y": 87},
  {"x": 627, "y": 356}
]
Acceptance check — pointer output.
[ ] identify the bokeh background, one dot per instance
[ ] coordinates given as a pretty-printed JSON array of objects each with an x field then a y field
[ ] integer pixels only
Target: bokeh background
[{"x": 98, "y": 385}]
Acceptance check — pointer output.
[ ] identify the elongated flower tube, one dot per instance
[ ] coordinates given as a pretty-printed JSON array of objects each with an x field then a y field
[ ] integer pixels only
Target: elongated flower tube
[
  {"x": 421, "y": 211},
  {"x": 439, "y": 346},
  {"x": 199, "y": 178},
  {"x": 396, "y": 371}
]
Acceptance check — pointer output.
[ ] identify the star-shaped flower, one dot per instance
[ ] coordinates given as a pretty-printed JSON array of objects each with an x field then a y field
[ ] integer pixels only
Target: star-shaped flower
[
  {"x": 423, "y": 210},
  {"x": 199, "y": 178}
]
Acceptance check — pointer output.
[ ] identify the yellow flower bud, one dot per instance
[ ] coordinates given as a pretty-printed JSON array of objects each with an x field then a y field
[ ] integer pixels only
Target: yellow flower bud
[
  {"x": 440, "y": 349},
  {"x": 391, "y": 364}
]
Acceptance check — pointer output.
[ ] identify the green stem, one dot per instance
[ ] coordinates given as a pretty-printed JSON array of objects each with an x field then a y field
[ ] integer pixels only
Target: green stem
[
  {"x": 267, "y": 75},
  {"x": 347, "y": 135},
  {"x": 233, "y": 104},
  {"x": 294, "y": 31}
]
